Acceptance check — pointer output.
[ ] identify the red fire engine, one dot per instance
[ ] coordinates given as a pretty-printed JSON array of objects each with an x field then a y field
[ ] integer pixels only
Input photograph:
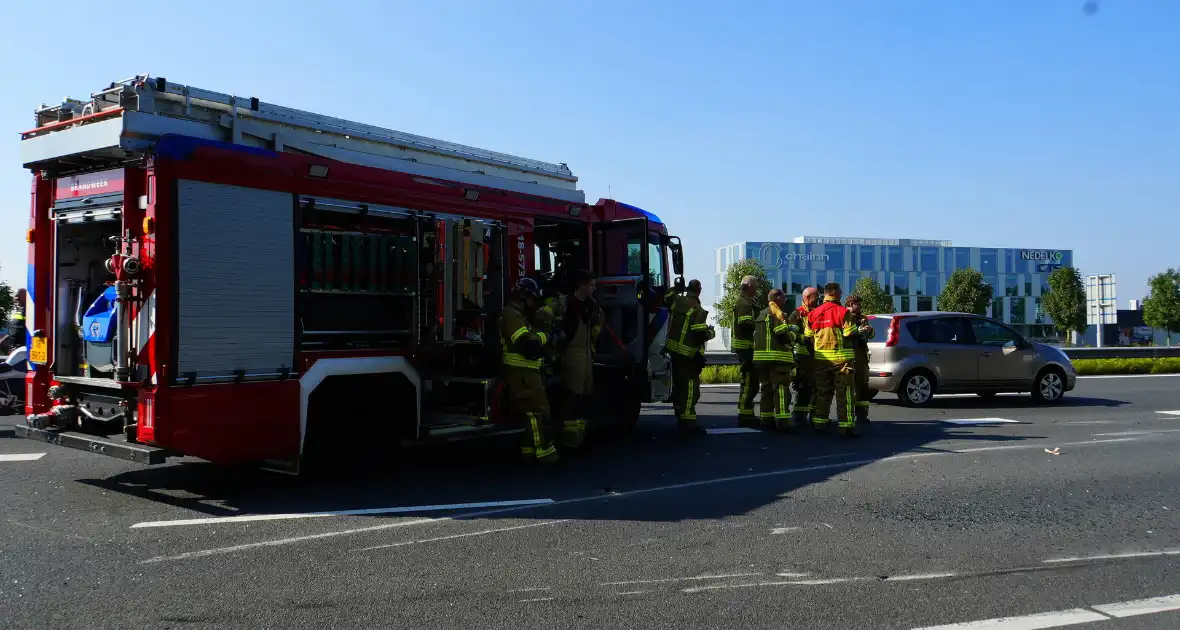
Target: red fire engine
[{"x": 222, "y": 278}]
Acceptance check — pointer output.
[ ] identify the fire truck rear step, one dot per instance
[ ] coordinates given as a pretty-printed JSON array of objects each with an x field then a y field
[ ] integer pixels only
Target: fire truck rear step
[{"x": 139, "y": 453}]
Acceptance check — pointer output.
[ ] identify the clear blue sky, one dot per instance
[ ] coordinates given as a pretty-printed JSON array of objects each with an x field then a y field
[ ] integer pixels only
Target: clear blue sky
[{"x": 1020, "y": 123}]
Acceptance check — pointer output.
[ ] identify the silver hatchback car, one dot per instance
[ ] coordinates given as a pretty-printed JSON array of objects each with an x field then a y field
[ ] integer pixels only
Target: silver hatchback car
[{"x": 917, "y": 355}]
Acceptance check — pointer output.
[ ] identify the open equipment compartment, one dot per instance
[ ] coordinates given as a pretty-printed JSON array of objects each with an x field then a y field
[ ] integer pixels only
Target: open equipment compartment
[
  {"x": 461, "y": 341},
  {"x": 86, "y": 327}
]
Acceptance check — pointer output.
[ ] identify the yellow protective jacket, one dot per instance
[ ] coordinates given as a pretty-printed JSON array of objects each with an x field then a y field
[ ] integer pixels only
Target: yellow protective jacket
[
  {"x": 830, "y": 325},
  {"x": 688, "y": 328},
  {"x": 744, "y": 312},
  {"x": 523, "y": 343},
  {"x": 797, "y": 321},
  {"x": 545, "y": 319},
  {"x": 772, "y": 337},
  {"x": 576, "y": 360},
  {"x": 860, "y": 341}
]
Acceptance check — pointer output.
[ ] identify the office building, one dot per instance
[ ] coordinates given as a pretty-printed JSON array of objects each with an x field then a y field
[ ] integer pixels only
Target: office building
[{"x": 913, "y": 271}]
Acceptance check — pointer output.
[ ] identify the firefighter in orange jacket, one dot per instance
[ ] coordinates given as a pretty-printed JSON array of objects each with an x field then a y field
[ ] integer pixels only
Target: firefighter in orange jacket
[
  {"x": 523, "y": 356},
  {"x": 830, "y": 326},
  {"x": 688, "y": 331}
]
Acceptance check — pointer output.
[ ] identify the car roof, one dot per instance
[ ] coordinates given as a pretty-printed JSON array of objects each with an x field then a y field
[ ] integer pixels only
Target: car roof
[{"x": 926, "y": 314}]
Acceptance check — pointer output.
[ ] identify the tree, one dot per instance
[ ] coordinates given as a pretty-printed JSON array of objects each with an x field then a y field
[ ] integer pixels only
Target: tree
[
  {"x": 1065, "y": 303},
  {"x": 1161, "y": 308},
  {"x": 874, "y": 300},
  {"x": 7, "y": 301},
  {"x": 723, "y": 307},
  {"x": 966, "y": 292}
]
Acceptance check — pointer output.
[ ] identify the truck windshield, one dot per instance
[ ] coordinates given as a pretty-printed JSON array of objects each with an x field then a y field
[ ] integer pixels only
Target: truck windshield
[{"x": 657, "y": 260}]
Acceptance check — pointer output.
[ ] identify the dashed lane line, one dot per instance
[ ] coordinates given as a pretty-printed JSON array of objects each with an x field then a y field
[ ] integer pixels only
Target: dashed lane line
[
  {"x": 1071, "y": 617},
  {"x": 21, "y": 457},
  {"x": 1170, "y": 413},
  {"x": 247, "y": 518}
]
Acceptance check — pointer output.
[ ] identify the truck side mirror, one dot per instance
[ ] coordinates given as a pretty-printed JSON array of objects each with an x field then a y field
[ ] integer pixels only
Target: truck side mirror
[{"x": 677, "y": 255}]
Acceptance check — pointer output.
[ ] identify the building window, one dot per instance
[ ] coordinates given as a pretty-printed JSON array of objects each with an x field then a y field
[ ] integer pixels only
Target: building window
[
  {"x": 929, "y": 259},
  {"x": 948, "y": 259},
  {"x": 799, "y": 280},
  {"x": 998, "y": 309},
  {"x": 835, "y": 256},
  {"x": 1011, "y": 285},
  {"x": 901, "y": 283},
  {"x": 1044, "y": 284},
  {"x": 905, "y": 304},
  {"x": 989, "y": 261},
  {"x": 1009, "y": 261},
  {"x": 962, "y": 258},
  {"x": 992, "y": 281},
  {"x": 925, "y": 303},
  {"x": 896, "y": 263},
  {"x": 1027, "y": 287},
  {"x": 1040, "y": 312},
  {"x": 1017, "y": 310},
  {"x": 868, "y": 258},
  {"x": 932, "y": 284}
]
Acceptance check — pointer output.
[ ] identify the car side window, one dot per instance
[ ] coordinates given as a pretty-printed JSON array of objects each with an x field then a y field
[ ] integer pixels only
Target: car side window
[
  {"x": 937, "y": 330},
  {"x": 992, "y": 334}
]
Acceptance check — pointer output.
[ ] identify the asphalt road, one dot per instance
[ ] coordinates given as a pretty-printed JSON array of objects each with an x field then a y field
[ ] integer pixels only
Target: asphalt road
[{"x": 1069, "y": 513}]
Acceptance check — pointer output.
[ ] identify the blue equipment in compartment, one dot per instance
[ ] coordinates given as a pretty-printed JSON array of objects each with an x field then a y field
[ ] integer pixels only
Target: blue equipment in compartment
[{"x": 98, "y": 324}]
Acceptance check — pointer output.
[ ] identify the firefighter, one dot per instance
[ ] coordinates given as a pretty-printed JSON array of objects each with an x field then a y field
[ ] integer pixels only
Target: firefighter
[
  {"x": 580, "y": 320},
  {"x": 860, "y": 343},
  {"x": 688, "y": 331},
  {"x": 804, "y": 378},
  {"x": 772, "y": 356},
  {"x": 524, "y": 351},
  {"x": 830, "y": 325},
  {"x": 742, "y": 345}
]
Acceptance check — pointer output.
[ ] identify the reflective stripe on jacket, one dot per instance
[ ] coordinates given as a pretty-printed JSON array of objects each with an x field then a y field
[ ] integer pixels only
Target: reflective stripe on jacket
[
  {"x": 772, "y": 339},
  {"x": 830, "y": 325},
  {"x": 743, "y": 323},
  {"x": 688, "y": 329},
  {"x": 524, "y": 346}
]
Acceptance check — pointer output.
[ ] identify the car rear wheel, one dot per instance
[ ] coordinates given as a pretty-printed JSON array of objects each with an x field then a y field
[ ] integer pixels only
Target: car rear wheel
[
  {"x": 1050, "y": 386},
  {"x": 917, "y": 389}
]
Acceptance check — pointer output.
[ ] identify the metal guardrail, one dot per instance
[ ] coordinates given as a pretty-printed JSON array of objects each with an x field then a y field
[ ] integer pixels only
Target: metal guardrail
[{"x": 1149, "y": 352}]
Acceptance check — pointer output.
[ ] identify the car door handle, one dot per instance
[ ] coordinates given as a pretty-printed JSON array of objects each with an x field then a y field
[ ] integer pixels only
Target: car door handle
[{"x": 985, "y": 354}]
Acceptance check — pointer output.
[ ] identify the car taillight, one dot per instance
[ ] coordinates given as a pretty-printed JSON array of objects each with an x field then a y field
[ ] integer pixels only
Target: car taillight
[{"x": 894, "y": 332}]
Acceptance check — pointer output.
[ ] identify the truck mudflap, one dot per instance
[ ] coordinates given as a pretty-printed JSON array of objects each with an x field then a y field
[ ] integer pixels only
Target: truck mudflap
[{"x": 139, "y": 453}]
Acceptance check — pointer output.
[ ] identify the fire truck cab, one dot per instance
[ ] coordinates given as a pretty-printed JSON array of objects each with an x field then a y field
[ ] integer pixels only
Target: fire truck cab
[{"x": 219, "y": 277}]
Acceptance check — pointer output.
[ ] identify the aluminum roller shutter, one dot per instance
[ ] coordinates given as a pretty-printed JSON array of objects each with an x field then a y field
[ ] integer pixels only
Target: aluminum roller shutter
[{"x": 237, "y": 281}]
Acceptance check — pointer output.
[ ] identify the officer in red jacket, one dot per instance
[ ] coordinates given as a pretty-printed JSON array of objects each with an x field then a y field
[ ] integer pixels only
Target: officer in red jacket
[{"x": 830, "y": 325}]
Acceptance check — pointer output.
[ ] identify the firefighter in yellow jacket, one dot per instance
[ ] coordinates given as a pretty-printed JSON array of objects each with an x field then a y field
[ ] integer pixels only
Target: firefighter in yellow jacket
[
  {"x": 688, "y": 331},
  {"x": 773, "y": 357},
  {"x": 804, "y": 379},
  {"x": 744, "y": 312},
  {"x": 830, "y": 325},
  {"x": 523, "y": 352},
  {"x": 579, "y": 322},
  {"x": 860, "y": 343}
]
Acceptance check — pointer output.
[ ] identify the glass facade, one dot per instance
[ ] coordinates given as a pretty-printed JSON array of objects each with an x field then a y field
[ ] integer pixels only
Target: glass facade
[{"x": 913, "y": 271}]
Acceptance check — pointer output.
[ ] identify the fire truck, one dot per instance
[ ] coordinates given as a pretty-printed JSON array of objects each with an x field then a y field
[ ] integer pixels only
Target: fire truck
[{"x": 217, "y": 277}]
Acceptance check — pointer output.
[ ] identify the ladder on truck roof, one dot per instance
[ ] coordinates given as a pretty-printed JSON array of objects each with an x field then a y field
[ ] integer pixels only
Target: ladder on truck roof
[{"x": 130, "y": 115}]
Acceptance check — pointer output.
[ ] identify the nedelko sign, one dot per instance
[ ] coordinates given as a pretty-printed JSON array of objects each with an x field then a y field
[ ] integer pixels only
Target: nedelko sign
[{"x": 1043, "y": 255}]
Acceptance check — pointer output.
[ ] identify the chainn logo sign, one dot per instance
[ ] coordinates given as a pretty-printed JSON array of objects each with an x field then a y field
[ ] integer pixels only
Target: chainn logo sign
[{"x": 772, "y": 256}]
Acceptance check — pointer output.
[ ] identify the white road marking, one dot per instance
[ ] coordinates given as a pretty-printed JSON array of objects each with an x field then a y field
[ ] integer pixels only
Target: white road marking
[
  {"x": 1115, "y": 556},
  {"x": 782, "y": 530},
  {"x": 731, "y": 430},
  {"x": 391, "y": 510},
  {"x": 1145, "y": 432},
  {"x": 793, "y": 575},
  {"x": 620, "y": 495},
  {"x": 1149, "y": 606},
  {"x": 979, "y": 421},
  {"x": 634, "y": 593},
  {"x": 1015, "y": 447},
  {"x": 927, "y": 576},
  {"x": 529, "y": 590},
  {"x": 466, "y": 535},
  {"x": 21, "y": 457},
  {"x": 542, "y": 599},
  {"x": 681, "y": 579},
  {"x": 1028, "y": 622},
  {"x": 717, "y": 587},
  {"x": 1170, "y": 413}
]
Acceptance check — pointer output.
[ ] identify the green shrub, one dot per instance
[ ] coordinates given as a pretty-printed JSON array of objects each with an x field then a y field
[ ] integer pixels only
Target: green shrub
[{"x": 721, "y": 374}]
